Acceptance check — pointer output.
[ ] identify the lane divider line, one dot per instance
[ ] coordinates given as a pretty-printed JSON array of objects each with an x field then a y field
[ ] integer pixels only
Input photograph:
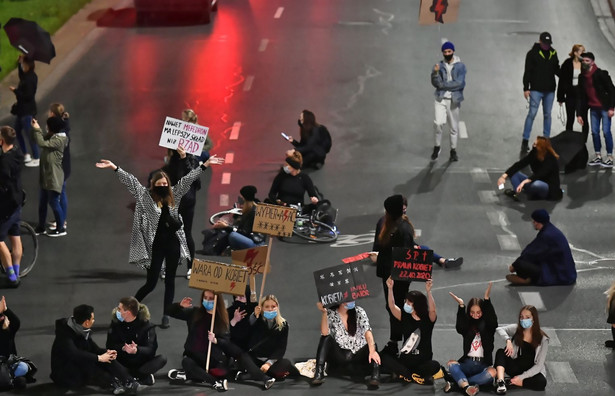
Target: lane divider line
[
  {"x": 224, "y": 200},
  {"x": 278, "y": 13},
  {"x": 263, "y": 45},
  {"x": 247, "y": 85},
  {"x": 508, "y": 242},
  {"x": 235, "y": 131},
  {"x": 480, "y": 175},
  {"x": 229, "y": 158},
  {"x": 463, "y": 130},
  {"x": 561, "y": 372},
  {"x": 532, "y": 298},
  {"x": 226, "y": 178}
]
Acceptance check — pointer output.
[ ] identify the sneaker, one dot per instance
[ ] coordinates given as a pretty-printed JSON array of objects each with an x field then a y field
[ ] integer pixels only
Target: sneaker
[
  {"x": 608, "y": 163},
  {"x": 453, "y": 157},
  {"x": 471, "y": 390},
  {"x": 33, "y": 164},
  {"x": 609, "y": 344},
  {"x": 512, "y": 194},
  {"x": 52, "y": 225},
  {"x": 57, "y": 233},
  {"x": 595, "y": 162},
  {"x": 14, "y": 284},
  {"x": 163, "y": 272},
  {"x": 269, "y": 383},
  {"x": 177, "y": 375},
  {"x": 188, "y": 273},
  {"x": 500, "y": 387},
  {"x": 241, "y": 376},
  {"x": 116, "y": 387},
  {"x": 40, "y": 231},
  {"x": 148, "y": 380},
  {"x": 448, "y": 387},
  {"x": 453, "y": 262},
  {"x": 165, "y": 322},
  {"x": 436, "y": 152},
  {"x": 131, "y": 387},
  {"x": 27, "y": 158},
  {"x": 220, "y": 386}
]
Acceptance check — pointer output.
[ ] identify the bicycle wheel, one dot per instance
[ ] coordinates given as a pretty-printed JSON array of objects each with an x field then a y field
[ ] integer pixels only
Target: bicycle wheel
[
  {"x": 226, "y": 215},
  {"x": 29, "y": 242},
  {"x": 320, "y": 232}
]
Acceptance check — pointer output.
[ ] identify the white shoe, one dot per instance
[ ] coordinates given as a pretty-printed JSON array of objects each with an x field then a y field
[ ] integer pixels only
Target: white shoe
[
  {"x": 33, "y": 163},
  {"x": 52, "y": 225},
  {"x": 163, "y": 273},
  {"x": 188, "y": 273},
  {"x": 27, "y": 158}
]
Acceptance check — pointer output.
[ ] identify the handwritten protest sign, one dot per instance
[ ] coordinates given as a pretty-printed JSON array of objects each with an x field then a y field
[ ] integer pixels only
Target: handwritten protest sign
[
  {"x": 274, "y": 220},
  {"x": 254, "y": 259},
  {"x": 412, "y": 264},
  {"x": 221, "y": 278},
  {"x": 341, "y": 283},
  {"x": 438, "y": 11},
  {"x": 181, "y": 133}
]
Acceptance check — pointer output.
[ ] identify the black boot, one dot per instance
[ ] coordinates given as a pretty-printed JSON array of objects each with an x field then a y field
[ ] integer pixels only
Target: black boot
[
  {"x": 319, "y": 375},
  {"x": 321, "y": 358},
  {"x": 374, "y": 380},
  {"x": 525, "y": 148}
]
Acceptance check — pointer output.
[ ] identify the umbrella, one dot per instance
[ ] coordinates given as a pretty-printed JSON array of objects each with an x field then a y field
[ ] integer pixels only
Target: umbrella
[{"x": 31, "y": 39}]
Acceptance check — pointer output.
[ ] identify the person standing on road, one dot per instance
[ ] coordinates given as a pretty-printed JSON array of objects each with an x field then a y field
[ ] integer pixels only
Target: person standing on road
[
  {"x": 449, "y": 79},
  {"x": 568, "y": 88},
  {"x": 189, "y": 115},
  {"x": 610, "y": 310},
  {"x": 597, "y": 94},
  {"x": 57, "y": 110},
  {"x": 11, "y": 200},
  {"x": 25, "y": 108},
  {"x": 541, "y": 67},
  {"x": 157, "y": 229}
]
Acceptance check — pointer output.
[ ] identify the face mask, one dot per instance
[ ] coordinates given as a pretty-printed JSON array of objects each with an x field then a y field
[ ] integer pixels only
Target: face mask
[
  {"x": 408, "y": 308},
  {"x": 526, "y": 323},
  {"x": 448, "y": 57},
  {"x": 208, "y": 304},
  {"x": 299, "y": 123},
  {"x": 545, "y": 47},
  {"x": 585, "y": 66},
  {"x": 286, "y": 169},
  {"x": 270, "y": 314},
  {"x": 118, "y": 315},
  {"x": 161, "y": 191},
  {"x": 350, "y": 305}
]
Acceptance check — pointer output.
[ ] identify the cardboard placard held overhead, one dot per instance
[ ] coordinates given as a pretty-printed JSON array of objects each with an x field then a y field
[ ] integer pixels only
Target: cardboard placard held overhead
[
  {"x": 274, "y": 220},
  {"x": 341, "y": 283},
  {"x": 254, "y": 259},
  {"x": 412, "y": 264},
  {"x": 438, "y": 11},
  {"x": 181, "y": 133},
  {"x": 219, "y": 277}
]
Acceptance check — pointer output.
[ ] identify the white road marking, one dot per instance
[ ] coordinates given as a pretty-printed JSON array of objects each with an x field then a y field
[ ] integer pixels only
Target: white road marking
[
  {"x": 487, "y": 196},
  {"x": 418, "y": 232},
  {"x": 508, "y": 242},
  {"x": 496, "y": 21},
  {"x": 229, "y": 158},
  {"x": 498, "y": 218},
  {"x": 443, "y": 40},
  {"x": 278, "y": 12},
  {"x": 248, "y": 84},
  {"x": 226, "y": 178},
  {"x": 561, "y": 372},
  {"x": 224, "y": 200},
  {"x": 480, "y": 175},
  {"x": 263, "y": 45},
  {"x": 532, "y": 298},
  {"x": 235, "y": 131},
  {"x": 355, "y": 23},
  {"x": 463, "y": 130},
  {"x": 553, "y": 339}
]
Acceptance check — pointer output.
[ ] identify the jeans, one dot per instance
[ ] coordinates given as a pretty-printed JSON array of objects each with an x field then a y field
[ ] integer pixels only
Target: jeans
[
  {"x": 535, "y": 190},
  {"x": 22, "y": 127},
  {"x": 477, "y": 372},
  {"x": 547, "y": 105},
  {"x": 53, "y": 199},
  {"x": 64, "y": 201},
  {"x": 239, "y": 241},
  {"x": 598, "y": 115},
  {"x": 436, "y": 257}
]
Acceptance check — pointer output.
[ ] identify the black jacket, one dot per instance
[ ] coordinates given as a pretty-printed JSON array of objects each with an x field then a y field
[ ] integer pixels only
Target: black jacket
[
  {"x": 541, "y": 67},
  {"x": 546, "y": 170},
  {"x": 291, "y": 189},
  {"x": 25, "y": 92},
  {"x": 240, "y": 333},
  {"x": 402, "y": 236},
  {"x": 7, "y": 337},
  {"x": 313, "y": 143},
  {"x": 11, "y": 192},
  {"x": 268, "y": 343},
  {"x": 565, "y": 89},
  {"x": 486, "y": 328},
  {"x": 141, "y": 331},
  {"x": 605, "y": 91}
]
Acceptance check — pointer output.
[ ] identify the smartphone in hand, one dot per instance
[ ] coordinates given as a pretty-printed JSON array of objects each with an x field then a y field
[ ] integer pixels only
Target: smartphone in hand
[{"x": 285, "y": 136}]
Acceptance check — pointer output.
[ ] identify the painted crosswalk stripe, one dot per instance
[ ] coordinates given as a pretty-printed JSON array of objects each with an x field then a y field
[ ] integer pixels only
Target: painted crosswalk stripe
[
  {"x": 480, "y": 175},
  {"x": 532, "y": 298},
  {"x": 229, "y": 158},
  {"x": 248, "y": 84},
  {"x": 235, "y": 131},
  {"x": 487, "y": 196},
  {"x": 226, "y": 178},
  {"x": 498, "y": 218},
  {"x": 463, "y": 131},
  {"x": 263, "y": 45},
  {"x": 278, "y": 12},
  {"x": 553, "y": 339},
  {"x": 561, "y": 372},
  {"x": 508, "y": 242},
  {"x": 224, "y": 199}
]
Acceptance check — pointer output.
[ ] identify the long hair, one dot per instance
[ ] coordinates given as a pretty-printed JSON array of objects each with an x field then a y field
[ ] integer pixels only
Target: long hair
[
  {"x": 575, "y": 48},
  {"x": 309, "y": 122},
  {"x": 57, "y": 109},
  {"x": 610, "y": 293},
  {"x": 543, "y": 145},
  {"x": 279, "y": 320},
  {"x": 537, "y": 332},
  {"x": 474, "y": 323},
  {"x": 247, "y": 206},
  {"x": 389, "y": 227},
  {"x": 419, "y": 302},
  {"x": 169, "y": 200},
  {"x": 221, "y": 322},
  {"x": 190, "y": 116},
  {"x": 352, "y": 318}
]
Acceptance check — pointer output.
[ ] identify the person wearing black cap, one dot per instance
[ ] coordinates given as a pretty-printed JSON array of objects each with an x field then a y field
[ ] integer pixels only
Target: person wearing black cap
[
  {"x": 547, "y": 260},
  {"x": 449, "y": 79},
  {"x": 51, "y": 174},
  {"x": 597, "y": 94},
  {"x": 240, "y": 234},
  {"x": 290, "y": 184},
  {"x": 541, "y": 67}
]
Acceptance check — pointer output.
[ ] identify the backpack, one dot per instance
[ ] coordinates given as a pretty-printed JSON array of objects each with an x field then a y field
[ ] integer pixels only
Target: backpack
[
  {"x": 325, "y": 138},
  {"x": 214, "y": 242}
]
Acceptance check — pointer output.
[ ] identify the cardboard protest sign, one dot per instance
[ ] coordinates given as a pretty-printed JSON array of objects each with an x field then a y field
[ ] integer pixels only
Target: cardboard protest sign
[
  {"x": 438, "y": 11},
  {"x": 221, "y": 278},
  {"x": 181, "y": 133},
  {"x": 274, "y": 220},
  {"x": 412, "y": 264},
  {"x": 344, "y": 282},
  {"x": 254, "y": 259}
]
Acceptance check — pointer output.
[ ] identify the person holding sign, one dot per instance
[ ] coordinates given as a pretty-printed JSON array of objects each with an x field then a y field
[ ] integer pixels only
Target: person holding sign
[
  {"x": 417, "y": 317},
  {"x": 240, "y": 234},
  {"x": 239, "y": 314},
  {"x": 290, "y": 185},
  {"x": 477, "y": 325},
  {"x": 157, "y": 229},
  {"x": 189, "y": 115},
  {"x": 198, "y": 340},
  {"x": 346, "y": 342}
]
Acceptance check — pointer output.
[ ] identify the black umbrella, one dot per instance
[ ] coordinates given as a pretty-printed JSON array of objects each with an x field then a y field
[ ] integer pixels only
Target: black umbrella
[{"x": 31, "y": 39}]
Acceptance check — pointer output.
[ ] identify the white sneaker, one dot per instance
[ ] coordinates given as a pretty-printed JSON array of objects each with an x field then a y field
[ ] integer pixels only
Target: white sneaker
[
  {"x": 27, "y": 158},
  {"x": 52, "y": 225},
  {"x": 163, "y": 272},
  {"x": 33, "y": 163},
  {"x": 189, "y": 273}
]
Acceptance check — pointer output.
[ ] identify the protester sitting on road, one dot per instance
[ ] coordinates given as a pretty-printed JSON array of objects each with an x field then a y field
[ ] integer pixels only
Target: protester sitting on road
[
  {"x": 11, "y": 196},
  {"x": 418, "y": 317},
  {"x": 346, "y": 344},
  {"x": 197, "y": 344},
  {"x": 477, "y": 325},
  {"x": 610, "y": 309},
  {"x": 239, "y": 314},
  {"x": 547, "y": 260},
  {"x": 57, "y": 110},
  {"x": 134, "y": 338},
  {"x": 51, "y": 174},
  {"x": 240, "y": 234},
  {"x": 22, "y": 370},
  {"x": 315, "y": 141},
  {"x": 76, "y": 360},
  {"x": 543, "y": 183},
  {"x": 290, "y": 184},
  {"x": 190, "y": 116},
  {"x": 524, "y": 356},
  {"x": 25, "y": 108},
  {"x": 157, "y": 229}
]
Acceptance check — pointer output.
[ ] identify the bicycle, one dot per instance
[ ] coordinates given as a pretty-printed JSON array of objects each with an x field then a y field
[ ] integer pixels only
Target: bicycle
[{"x": 29, "y": 242}]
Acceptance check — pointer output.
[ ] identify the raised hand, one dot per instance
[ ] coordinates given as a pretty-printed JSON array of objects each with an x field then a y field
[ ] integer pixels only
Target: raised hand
[
  {"x": 104, "y": 164},
  {"x": 186, "y": 302},
  {"x": 488, "y": 291},
  {"x": 459, "y": 300}
]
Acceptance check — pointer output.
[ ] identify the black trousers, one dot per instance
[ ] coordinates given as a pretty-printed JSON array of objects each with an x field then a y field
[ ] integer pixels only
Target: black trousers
[
  {"x": 514, "y": 367},
  {"x": 526, "y": 270},
  {"x": 195, "y": 371},
  {"x": 407, "y": 365},
  {"x": 143, "y": 369},
  {"x": 98, "y": 374},
  {"x": 571, "y": 116},
  {"x": 310, "y": 159},
  {"x": 400, "y": 290},
  {"x": 186, "y": 210},
  {"x": 343, "y": 360}
]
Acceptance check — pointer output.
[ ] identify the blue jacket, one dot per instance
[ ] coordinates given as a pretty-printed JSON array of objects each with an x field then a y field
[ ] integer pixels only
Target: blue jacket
[
  {"x": 551, "y": 252},
  {"x": 456, "y": 86}
]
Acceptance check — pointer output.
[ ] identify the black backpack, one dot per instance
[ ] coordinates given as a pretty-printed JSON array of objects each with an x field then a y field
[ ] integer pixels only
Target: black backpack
[{"x": 325, "y": 138}]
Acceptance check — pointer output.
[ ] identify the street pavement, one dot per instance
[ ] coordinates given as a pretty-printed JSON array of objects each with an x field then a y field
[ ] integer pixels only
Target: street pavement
[{"x": 363, "y": 68}]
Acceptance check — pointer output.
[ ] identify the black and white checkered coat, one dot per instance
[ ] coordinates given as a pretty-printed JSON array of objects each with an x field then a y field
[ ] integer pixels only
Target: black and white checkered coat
[{"x": 147, "y": 216}]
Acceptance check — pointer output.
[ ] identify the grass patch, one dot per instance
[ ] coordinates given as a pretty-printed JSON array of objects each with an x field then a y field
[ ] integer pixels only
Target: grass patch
[{"x": 49, "y": 14}]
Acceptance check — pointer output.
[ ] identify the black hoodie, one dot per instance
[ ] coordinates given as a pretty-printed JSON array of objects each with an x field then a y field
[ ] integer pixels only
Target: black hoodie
[{"x": 541, "y": 67}]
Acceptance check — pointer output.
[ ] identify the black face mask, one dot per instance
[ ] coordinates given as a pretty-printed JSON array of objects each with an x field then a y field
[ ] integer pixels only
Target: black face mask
[
  {"x": 448, "y": 57},
  {"x": 300, "y": 123},
  {"x": 161, "y": 191},
  {"x": 585, "y": 67}
]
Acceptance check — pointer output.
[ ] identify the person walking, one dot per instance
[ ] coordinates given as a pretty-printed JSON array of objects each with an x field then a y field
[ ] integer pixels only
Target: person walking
[
  {"x": 449, "y": 79},
  {"x": 541, "y": 67},
  {"x": 157, "y": 230},
  {"x": 597, "y": 94},
  {"x": 25, "y": 108},
  {"x": 568, "y": 88}
]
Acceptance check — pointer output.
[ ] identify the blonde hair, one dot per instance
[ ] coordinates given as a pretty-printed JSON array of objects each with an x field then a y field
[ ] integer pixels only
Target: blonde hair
[
  {"x": 279, "y": 320},
  {"x": 610, "y": 293},
  {"x": 190, "y": 116},
  {"x": 57, "y": 109},
  {"x": 575, "y": 48}
]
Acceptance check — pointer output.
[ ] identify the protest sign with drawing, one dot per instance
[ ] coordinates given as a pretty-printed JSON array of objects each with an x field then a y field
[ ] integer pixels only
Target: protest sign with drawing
[
  {"x": 190, "y": 137},
  {"x": 253, "y": 258},
  {"x": 341, "y": 283},
  {"x": 274, "y": 220},
  {"x": 411, "y": 264},
  {"x": 219, "y": 277},
  {"x": 438, "y": 11}
]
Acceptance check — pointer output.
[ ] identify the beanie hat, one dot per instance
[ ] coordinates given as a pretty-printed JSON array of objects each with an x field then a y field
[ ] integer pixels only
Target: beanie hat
[
  {"x": 55, "y": 124},
  {"x": 394, "y": 205},
  {"x": 540, "y": 216},
  {"x": 448, "y": 45},
  {"x": 248, "y": 192},
  {"x": 589, "y": 55}
]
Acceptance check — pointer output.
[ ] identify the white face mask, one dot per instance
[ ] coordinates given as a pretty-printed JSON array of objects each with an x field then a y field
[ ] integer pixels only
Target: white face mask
[{"x": 287, "y": 169}]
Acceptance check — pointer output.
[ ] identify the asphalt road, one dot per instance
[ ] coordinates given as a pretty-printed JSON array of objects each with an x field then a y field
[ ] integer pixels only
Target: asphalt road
[{"x": 363, "y": 68}]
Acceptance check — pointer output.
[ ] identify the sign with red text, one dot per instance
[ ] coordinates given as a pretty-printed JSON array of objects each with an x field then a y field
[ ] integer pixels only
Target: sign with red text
[
  {"x": 342, "y": 283},
  {"x": 438, "y": 11},
  {"x": 412, "y": 264},
  {"x": 218, "y": 277},
  {"x": 178, "y": 133},
  {"x": 274, "y": 220},
  {"x": 253, "y": 258}
]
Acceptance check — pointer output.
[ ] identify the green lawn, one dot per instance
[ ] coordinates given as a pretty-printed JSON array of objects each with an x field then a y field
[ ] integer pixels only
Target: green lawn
[{"x": 50, "y": 14}]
